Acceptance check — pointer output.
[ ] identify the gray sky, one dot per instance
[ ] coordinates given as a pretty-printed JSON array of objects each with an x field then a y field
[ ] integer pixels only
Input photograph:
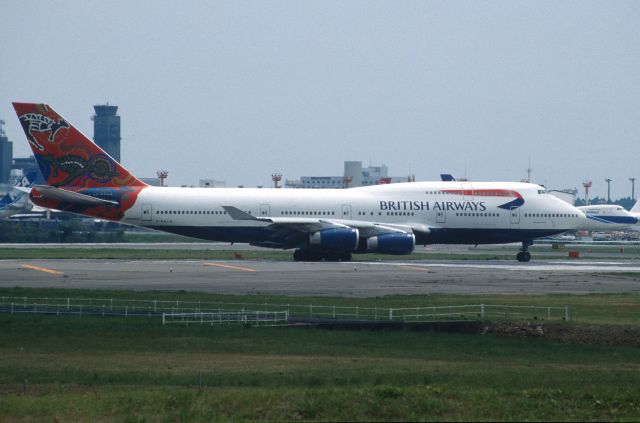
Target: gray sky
[{"x": 236, "y": 90}]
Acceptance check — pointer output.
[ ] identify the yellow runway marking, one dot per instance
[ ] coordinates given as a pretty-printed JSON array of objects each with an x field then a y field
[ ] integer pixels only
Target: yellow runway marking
[
  {"x": 422, "y": 269},
  {"x": 42, "y": 269},
  {"x": 228, "y": 266}
]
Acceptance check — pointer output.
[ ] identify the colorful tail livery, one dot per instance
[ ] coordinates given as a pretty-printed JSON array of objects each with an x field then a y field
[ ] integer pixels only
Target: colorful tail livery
[{"x": 81, "y": 177}]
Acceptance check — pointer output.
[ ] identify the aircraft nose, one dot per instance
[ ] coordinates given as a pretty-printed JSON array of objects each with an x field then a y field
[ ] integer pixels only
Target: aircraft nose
[{"x": 580, "y": 218}]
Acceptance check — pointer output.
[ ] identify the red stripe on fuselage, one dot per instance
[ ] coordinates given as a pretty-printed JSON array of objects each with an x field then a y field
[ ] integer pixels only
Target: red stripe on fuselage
[{"x": 484, "y": 192}]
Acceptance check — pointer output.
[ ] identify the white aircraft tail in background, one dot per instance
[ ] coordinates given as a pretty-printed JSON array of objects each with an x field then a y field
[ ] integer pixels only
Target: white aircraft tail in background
[
  {"x": 635, "y": 210},
  {"x": 16, "y": 200}
]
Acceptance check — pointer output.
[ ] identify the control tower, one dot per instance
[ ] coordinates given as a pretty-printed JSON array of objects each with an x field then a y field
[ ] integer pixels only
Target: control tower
[
  {"x": 106, "y": 129},
  {"x": 6, "y": 155}
]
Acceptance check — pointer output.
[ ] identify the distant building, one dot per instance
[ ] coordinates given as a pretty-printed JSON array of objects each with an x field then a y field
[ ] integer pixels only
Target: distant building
[
  {"x": 567, "y": 195},
  {"x": 154, "y": 182},
  {"x": 354, "y": 176},
  {"x": 106, "y": 129},
  {"x": 6, "y": 155},
  {"x": 210, "y": 183}
]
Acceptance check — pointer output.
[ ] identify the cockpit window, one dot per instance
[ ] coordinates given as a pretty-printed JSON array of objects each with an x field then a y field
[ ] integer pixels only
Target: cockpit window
[{"x": 542, "y": 191}]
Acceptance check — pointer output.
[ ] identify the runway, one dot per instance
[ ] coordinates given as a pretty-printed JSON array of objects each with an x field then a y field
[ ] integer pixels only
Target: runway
[{"x": 355, "y": 279}]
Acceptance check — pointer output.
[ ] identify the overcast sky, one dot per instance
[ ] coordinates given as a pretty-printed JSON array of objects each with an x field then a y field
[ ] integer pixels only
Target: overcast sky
[{"x": 237, "y": 90}]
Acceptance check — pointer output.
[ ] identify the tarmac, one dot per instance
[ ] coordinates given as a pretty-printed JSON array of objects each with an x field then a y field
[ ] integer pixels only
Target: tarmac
[{"x": 351, "y": 279}]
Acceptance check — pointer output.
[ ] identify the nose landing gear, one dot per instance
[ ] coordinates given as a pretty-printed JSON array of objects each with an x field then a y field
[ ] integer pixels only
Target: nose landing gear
[{"x": 524, "y": 255}]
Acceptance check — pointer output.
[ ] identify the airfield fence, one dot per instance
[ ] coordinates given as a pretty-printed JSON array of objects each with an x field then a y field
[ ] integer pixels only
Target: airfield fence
[
  {"x": 246, "y": 312},
  {"x": 254, "y": 318}
]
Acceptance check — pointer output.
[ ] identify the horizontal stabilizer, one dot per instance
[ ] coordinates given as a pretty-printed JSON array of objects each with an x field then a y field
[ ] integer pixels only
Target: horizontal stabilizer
[{"x": 59, "y": 194}]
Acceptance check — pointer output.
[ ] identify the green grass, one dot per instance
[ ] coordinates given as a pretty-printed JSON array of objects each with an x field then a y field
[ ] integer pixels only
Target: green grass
[
  {"x": 635, "y": 275},
  {"x": 135, "y": 369},
  {"x": 92, "y": 369},
  {"x": 138, "y": 254}
]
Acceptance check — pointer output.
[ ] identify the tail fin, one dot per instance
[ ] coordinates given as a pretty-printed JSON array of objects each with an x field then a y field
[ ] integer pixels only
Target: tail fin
[
  {"x": 65, "y": 156},
  {"x": 636, "y": 207},
  {"x": 82, "y": 178},
  {"x": 27, "y": 180}
]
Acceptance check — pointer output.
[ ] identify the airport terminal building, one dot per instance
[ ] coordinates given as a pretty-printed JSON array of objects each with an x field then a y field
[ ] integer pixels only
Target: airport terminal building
[{"x": 354, "y": 176}]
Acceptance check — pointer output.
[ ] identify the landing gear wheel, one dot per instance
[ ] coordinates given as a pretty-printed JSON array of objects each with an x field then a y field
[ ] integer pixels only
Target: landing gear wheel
[
  {"x": 346, "y": 256},
  {"x": 306, "y": 255},
  {"x": 332, "y": 256},
  {"x": 524, "y": 255}
]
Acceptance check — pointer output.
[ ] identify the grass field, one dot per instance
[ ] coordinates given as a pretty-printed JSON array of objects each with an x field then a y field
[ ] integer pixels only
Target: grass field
[{"x": 135, "y": 369}]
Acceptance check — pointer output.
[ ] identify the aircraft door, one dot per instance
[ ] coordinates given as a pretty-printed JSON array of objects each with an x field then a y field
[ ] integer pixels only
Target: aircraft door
[
  {"x": 146, "y": 213},
  {"x": 441, "y": 216},
  {"x": 265, "y": 210},
  {"x": 515, "y": 215},
  {"x": 346, "y": 211}
]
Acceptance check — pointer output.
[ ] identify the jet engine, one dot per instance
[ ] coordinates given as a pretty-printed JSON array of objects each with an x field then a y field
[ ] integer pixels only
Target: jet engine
[
  {"x": 394, "y": 243},
  {"x": 337, "y": 239}
]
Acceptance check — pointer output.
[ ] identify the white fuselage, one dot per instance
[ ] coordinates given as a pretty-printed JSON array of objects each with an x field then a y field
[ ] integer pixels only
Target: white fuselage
[{"x": 437, "y": 212}]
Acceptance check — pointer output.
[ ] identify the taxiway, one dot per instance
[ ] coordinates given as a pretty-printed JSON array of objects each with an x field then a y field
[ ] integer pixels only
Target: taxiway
[{"x": 354, "y": 279}]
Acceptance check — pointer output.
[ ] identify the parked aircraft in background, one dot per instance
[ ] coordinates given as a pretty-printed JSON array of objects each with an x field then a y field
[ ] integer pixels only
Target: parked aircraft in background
[
  {"x": 635, "y": 210},
  {"x": 16, "y": 200},
  {"x": 608, "y": 217},
  {"x": 318, "y": 224}
]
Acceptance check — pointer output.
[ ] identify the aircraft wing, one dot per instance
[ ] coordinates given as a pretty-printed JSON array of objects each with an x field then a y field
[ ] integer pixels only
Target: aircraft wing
[
  {"x": 302, "y": 224},
  {"x": 310, "y": 224}
]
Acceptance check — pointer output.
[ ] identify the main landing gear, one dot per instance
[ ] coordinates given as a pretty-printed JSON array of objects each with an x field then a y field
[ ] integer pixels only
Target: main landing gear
[
  {"x": 307, "y": 255},
  {"x": 524, "y": 255}
]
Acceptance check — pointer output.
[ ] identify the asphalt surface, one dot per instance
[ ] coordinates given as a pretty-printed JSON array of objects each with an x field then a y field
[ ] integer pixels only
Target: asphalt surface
[{"x": 361, "y": 279}]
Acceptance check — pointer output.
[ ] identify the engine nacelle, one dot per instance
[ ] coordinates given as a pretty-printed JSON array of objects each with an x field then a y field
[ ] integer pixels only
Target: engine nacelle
[
  {"x": 394, "y": 243},
  {"x": 338, "y": 239}
]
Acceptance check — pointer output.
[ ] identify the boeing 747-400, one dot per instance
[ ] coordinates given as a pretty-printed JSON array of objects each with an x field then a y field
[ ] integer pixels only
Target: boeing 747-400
[{"x": 326, "y": 224}]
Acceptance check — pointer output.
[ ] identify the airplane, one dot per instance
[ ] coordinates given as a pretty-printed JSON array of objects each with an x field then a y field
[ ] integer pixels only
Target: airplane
[
  {"x": 608, "y": 217},
  {"x": 326, "y": 225},
  {"x": 16, "y": 200},
  {"x": 635, "y": 210}
]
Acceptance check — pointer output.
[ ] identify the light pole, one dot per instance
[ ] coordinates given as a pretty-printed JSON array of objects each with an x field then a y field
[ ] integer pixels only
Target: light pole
[
  {"x": 633, "y": 188},
  {"x": 586, "y": 185},
  {"x": 608, "y": 181}
]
